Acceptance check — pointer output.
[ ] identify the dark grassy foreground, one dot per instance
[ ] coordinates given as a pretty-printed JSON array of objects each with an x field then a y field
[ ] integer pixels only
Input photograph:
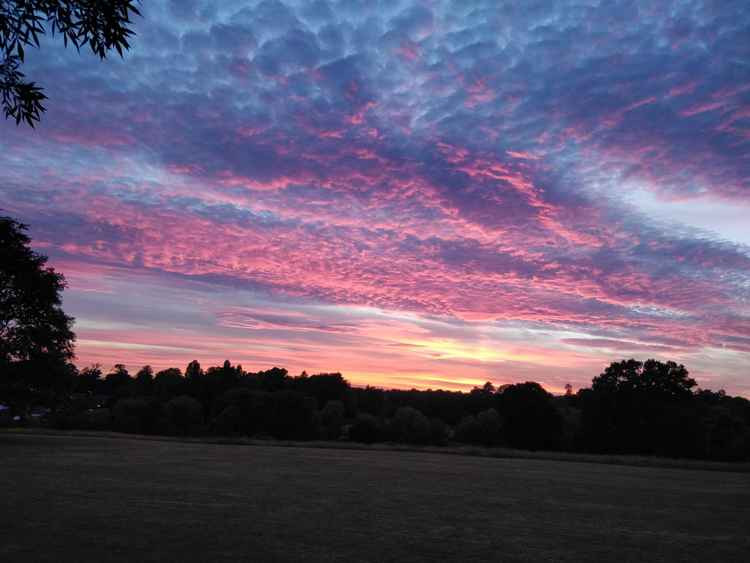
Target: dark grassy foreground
[{"x": 83, "y": 498}]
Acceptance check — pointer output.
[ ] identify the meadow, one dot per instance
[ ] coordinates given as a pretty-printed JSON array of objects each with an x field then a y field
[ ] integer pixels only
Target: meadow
[{"x": 89, "y": 498}]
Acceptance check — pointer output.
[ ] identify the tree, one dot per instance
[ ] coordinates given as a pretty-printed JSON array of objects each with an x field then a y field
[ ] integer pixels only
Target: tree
[
  {"x": 332, "y": 419},
  {"x": 666, "y": 380},
  {"x": 136, "y": 416},
  {"x": 365, "y": 429},
  {"x": 531, "y": 420},
  {"x": 168, "y": 383},
  {"x": 184, "y": 413},
  {"x": 323, "y": 386},
  {"x": 36, "y": 337},
  {"x": 410, "y": 426},
  {"x": 485, "y": 429},
  {"x": 641, "y": 407},
  {"x": 102, "y": 25},
  {"x": 89, "y": 378},
  {"x": 274, "y": 379},
  {"x": 193, "y": 370},
  {"x": 117, "y": 380},
  {"x": 144, "y": 380}
]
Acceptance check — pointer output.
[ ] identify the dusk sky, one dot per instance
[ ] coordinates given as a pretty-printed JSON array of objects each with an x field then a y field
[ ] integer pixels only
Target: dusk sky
[{"x": 428, "y": 194}]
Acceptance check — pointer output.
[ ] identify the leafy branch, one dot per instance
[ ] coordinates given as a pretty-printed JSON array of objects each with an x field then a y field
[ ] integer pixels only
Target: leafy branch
[{"x": 103, "y": 25}]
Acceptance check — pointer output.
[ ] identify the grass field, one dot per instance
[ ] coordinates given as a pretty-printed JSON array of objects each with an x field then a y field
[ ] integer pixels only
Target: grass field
[{"x": 83, "y": 498}]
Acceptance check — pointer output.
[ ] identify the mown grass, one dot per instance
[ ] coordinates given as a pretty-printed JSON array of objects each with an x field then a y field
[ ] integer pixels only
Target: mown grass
[
  {"x": 453, "y": 449},
  {"x": 103, "y": 498}
]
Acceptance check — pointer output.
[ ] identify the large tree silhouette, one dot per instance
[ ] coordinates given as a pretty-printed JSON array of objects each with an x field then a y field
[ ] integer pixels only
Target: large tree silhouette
[
  {"x": 36, "y": 340},
  {"x": 102, "y": 25},
  {"x": 666, "y": 380},
  {"x": 641, "y": 407}
]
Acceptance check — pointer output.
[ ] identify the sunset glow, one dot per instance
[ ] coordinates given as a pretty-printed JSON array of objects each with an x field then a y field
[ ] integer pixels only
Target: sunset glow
[{"x": 416, "y": 194}]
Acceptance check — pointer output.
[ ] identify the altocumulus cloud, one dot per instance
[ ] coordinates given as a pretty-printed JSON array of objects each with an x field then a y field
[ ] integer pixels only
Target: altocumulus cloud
[{"x": 458, "y": 183}]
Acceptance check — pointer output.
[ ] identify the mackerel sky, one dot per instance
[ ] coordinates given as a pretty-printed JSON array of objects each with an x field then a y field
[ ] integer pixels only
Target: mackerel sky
[{"x": 429, "y": 194}]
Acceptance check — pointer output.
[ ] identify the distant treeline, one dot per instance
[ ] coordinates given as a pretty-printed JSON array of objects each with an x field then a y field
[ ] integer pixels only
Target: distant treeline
[{"x": 645, "y": 408}]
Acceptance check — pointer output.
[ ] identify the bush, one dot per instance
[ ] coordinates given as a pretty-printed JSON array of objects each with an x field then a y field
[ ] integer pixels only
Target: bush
[
  {"x": 468, "y": 431},
  {"x": 184, "y": 414},
  {"x": 490, "y": 427},
  {"x": 438, "y": 432},
  {"x": 365, "y": 429},
  {"x": 293, "y": 416},
  {"x": 332, "y": 419},
  {"x": 410, "y": 426},
  {"x": 228, "y": 421},
  {"x": 135, "y": 416},
  {"x": 485, "y": 429},
  {"x": 99, "y": 419},
  {"x": 241, "y": 411}
]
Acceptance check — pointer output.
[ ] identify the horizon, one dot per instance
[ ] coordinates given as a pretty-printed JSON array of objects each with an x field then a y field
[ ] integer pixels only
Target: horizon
[
  {"x": 419, "y": 195},
  {"x": 457, "y": 387}
]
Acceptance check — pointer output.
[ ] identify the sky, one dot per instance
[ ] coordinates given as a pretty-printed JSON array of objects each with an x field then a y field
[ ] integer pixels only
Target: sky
[{"x": 416, "y": 194}]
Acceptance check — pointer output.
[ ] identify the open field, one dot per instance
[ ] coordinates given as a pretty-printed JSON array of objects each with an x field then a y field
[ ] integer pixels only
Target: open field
[{"x": 84, "y": 498}]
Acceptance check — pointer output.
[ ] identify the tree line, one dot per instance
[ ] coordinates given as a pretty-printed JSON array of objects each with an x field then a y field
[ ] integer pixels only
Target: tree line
[{"x": 632, "y": 407}]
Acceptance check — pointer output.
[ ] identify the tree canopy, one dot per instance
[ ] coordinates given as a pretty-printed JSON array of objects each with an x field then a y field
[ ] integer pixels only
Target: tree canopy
[
  {"x": 100, "y": 25},
  {"x": 666, "y": 379},
  {"x": 32, "y": 323},
  {"x": 36, "y": 337}
]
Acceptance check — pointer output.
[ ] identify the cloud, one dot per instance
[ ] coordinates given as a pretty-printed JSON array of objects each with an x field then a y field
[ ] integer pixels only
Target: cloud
[{"x": 466, "y": 162}]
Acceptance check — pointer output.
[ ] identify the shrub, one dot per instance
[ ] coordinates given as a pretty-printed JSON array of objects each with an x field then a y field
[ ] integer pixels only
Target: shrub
[
  {"x": 332, "y": 419},
  {"x": 490, "y": 427},
  {"x": 484, "y": 429},
  {"x": 248, "y": 413},
  {"x": 99, "y": 419},
  {"x": 410, "y": 426},
  {"x": 293, "y": 416},
  {"x": 228, "y": 421},
  {"x": 438, "y": 432},
  {"x": 184, "y": 414},
  {"x": 365, "y": 429},
  {"x": 135, "y": 416}
]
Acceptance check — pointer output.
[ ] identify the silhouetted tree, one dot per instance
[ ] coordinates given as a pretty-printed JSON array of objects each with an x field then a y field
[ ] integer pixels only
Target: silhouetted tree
[
  {"x": 632, "y": 407},
  {"x": 102, "y": 25},
  {"x": 242, "y": 411},
  {"x": 366, "y": 428},
  {"x": 294, "y": 416},
  {"x": 169, "y": 383},
  {"x": 323, "y": 386},
  {"x": 274, "y": 379},
  {"x": 468, "y": 430},
  {"x": 370, "y": 400},
  {"x": 184, "y": 413},
  {"x": 641, "y": 407},
  {"x": 484, "y": 429},
  {"x": 666, "y": 380},
  {"x": 439, "y": 432},
  {"x": 117, "y": 382},
  {"x": 481, "y": 398},
  {"x": 410, "y": 426},
  {"x": 531, "y": 420},
  {"x": 228, "y": 422},
  {"x": 88, "y": 380},
  {"x": 144, "y": 381},
  {"x": 332, "y": 419},
  {"x": 134, "y": 415},
  {"x": 193, "y": 370},
  {"x": 36, "y": 337}
]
